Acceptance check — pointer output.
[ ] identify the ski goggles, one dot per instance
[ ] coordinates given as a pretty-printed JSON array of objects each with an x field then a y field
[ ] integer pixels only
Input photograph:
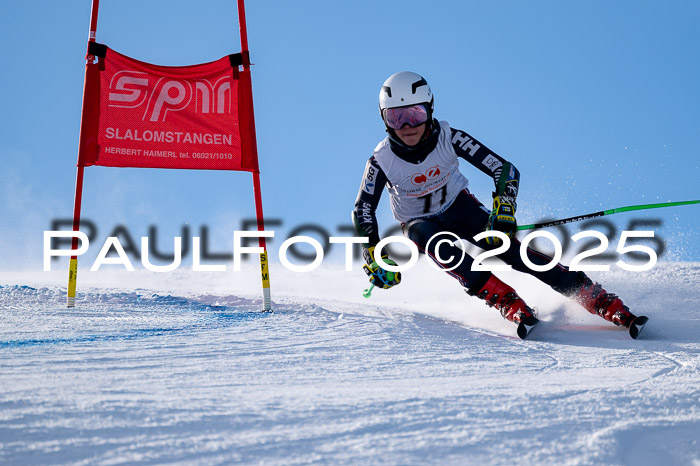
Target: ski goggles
[{"x": 415, "y": 115}]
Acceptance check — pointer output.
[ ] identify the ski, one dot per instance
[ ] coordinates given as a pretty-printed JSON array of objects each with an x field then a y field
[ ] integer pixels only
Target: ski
[
  {"x": 526, "y": 326},
  {"x": 637, "y": 325}
]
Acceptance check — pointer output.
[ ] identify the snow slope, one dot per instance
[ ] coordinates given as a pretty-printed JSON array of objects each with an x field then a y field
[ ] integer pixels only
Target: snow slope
[{"x": 182, "y": 368}]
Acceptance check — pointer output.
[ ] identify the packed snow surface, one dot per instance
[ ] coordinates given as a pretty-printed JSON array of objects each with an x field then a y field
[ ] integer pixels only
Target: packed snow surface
[{"x": 184, "y": 368}]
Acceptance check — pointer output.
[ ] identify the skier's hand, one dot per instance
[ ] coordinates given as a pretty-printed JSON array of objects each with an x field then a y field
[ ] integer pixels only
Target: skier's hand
[
  {"x": 377, "y": 275},
  {"x": 502, "y": 218}
]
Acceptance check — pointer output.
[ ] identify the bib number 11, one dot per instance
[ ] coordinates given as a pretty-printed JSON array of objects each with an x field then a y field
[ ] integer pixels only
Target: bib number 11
[{"x": 428, "y": 199}]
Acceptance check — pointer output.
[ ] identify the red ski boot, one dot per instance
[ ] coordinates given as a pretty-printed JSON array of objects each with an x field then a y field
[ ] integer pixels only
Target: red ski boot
[
  {"x": 504, "y": 298},
  {"x": 609, "y": 306}
]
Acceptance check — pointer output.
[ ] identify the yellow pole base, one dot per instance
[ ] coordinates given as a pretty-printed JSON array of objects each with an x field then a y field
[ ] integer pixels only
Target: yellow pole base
[
  {"x": 265, "y": 275},
  {"x": 72, "y": 281}
]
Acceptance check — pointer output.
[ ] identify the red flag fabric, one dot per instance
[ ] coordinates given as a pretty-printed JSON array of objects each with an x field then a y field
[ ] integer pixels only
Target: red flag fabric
[{"x": 141, "y": 115}]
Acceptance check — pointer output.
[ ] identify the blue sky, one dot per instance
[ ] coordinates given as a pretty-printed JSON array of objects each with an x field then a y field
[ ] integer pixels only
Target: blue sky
[{"x": 597, "y": 103}]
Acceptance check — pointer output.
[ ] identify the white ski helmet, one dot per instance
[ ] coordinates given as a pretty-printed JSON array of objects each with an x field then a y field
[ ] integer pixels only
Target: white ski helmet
[{"x": 403, "y": 89}]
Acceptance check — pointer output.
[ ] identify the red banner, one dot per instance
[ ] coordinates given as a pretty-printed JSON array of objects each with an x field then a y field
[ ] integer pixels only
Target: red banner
[{"x": 142, "y": 115}]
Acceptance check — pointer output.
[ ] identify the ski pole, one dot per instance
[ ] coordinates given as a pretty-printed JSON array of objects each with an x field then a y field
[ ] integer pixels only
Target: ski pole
[
  {"x": 368, "y": 292},
  {"x": 602, "y": 213}
]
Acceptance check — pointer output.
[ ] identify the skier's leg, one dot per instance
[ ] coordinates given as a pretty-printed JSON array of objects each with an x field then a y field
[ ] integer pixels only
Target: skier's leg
[
  {"x": 559, "y": 277},
  {"x": 428, "y": 234},
  {"x": 575, "y": 285},
  {"x": 422, "y": 230},
  {"x": 597, "y": 301},
  {"x": 467, "y": 217},
  {"x": 481, "y": 284}
]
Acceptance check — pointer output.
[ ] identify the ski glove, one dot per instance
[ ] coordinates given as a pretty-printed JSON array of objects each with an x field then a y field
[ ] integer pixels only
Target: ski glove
[
  {"x": 502, "y": 218},
  {"x": 378, "y": 276}
]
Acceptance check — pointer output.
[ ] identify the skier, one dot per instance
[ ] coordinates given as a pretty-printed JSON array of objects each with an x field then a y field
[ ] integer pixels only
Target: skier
[{"x": 418, "y": 164}]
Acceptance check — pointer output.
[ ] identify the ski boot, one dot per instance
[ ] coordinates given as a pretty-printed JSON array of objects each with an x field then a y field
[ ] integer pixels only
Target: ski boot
[
  {"x": 609, "y": 306},
  {"x": 504, "y": 298}
]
